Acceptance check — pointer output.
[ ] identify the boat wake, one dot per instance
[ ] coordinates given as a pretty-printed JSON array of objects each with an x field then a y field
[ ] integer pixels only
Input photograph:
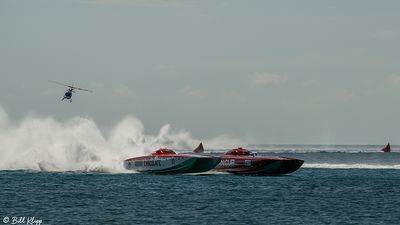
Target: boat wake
[
  {"x": 45, "y": 144},
  {"x": 77, "y": 144},
  {"x": 350, "y": 166}
]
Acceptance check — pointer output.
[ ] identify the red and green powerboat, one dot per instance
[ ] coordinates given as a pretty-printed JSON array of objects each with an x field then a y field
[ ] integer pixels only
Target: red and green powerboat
[
  {"x": 243, "y": 161},
  {"x": 167, "y": 161}
]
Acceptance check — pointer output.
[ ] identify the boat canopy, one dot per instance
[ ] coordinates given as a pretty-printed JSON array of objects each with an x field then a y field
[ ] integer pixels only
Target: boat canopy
[
  {"x": 239, "y": 151},
  {"x": 163, "y": 151}
]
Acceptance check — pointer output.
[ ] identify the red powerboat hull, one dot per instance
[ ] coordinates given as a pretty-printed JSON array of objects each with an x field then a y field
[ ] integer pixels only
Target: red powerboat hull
[{"x": 246, "y": 163}]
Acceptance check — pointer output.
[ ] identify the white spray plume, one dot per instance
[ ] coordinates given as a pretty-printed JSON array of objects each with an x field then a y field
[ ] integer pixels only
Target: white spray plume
[{"x": 78, "y": 144}]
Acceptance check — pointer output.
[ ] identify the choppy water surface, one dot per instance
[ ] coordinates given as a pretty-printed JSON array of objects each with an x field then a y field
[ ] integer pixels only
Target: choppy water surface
[
  {"x": 308, "y": 196},
  {"x": 338, "y": 184}
]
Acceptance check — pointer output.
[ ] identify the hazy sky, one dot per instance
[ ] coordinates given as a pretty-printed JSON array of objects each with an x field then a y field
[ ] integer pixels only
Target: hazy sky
[{"x": 266, "y": 71}]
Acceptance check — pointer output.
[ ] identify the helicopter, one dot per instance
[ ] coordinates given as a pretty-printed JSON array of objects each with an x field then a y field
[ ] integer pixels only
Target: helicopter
[{"x": 71, "y": 89}]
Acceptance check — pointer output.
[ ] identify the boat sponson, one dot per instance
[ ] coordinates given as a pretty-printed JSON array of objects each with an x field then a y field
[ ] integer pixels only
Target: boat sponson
[
  {"x": 180, "y": 168},
  {"x": 204, "y": 164},
  {"x": 277, "y": 168}
]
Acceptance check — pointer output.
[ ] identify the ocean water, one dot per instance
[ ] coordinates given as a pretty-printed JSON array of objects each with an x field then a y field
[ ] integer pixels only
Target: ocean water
[{"x": 343, "y": 184}]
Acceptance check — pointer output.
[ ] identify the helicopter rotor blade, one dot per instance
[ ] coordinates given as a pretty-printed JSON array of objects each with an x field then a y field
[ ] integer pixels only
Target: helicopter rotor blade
[
  {"x": 81, "y": 89},
  {"x": 72, "y": 87},
  {"x": 52, "y": 81}
]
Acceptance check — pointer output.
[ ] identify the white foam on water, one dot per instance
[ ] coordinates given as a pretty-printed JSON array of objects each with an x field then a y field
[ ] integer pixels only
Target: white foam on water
[
  {"x": 77, "y": 144},
  {"x": 349, "y": 166}
]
